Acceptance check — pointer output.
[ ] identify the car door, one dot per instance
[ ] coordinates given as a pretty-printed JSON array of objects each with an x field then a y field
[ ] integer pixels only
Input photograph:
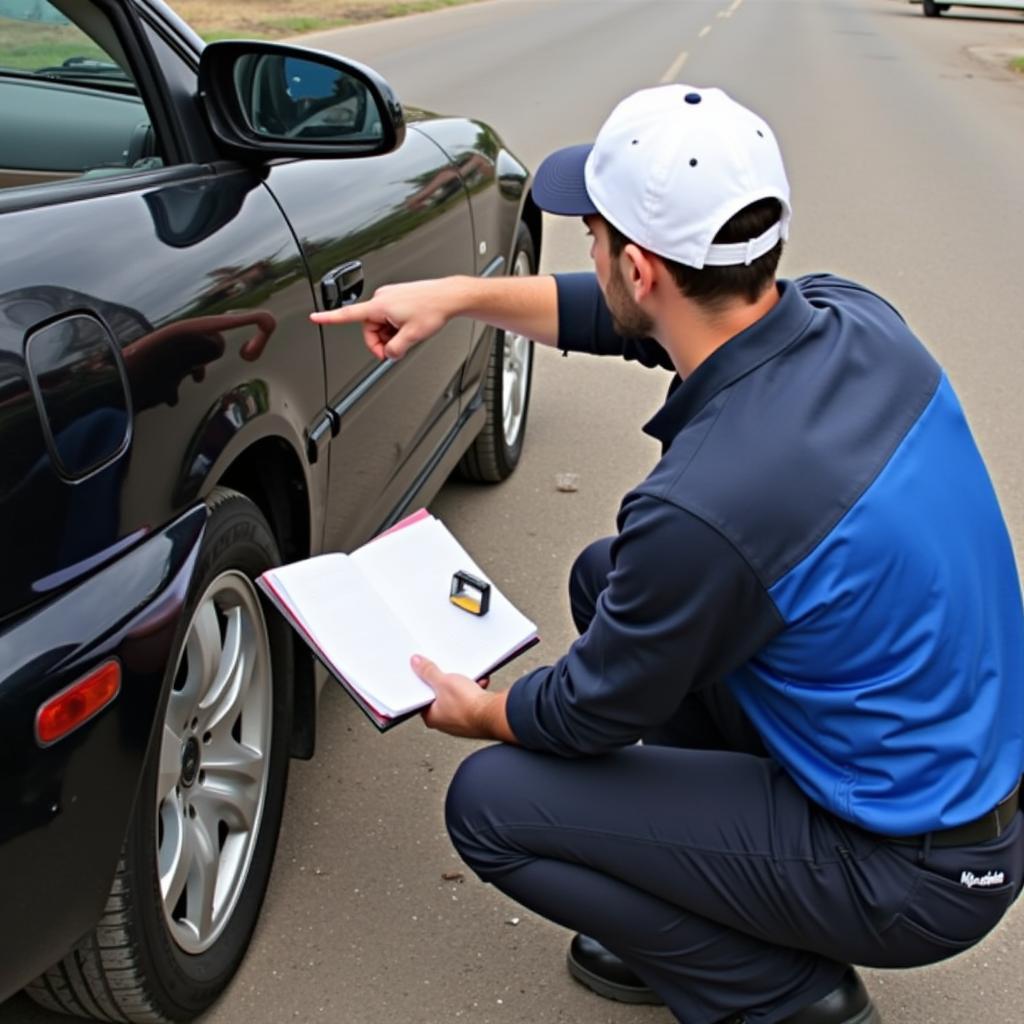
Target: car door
[
  {"x": 152, "y": 307},
  {"x": 380, "y": 220}
]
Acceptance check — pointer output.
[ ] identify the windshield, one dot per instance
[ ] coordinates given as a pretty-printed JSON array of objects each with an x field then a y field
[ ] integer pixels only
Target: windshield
[{"x": 36, "y": 37}]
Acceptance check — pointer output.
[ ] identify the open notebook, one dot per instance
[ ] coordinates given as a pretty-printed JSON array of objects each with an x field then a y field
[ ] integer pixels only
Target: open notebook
[{"x": 365, "y": 614}]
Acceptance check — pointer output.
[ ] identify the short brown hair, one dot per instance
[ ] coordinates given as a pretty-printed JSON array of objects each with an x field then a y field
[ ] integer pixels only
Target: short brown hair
[{"x": 714, "y": 286}]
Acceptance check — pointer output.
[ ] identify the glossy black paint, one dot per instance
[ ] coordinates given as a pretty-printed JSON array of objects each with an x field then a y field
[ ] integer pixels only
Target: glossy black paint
[
  {"x": 186, "y": 290},
  {"x": 209, "y": 311},
  {"x": 63, "y": 808},
  {"x": 412, "y": 223}
]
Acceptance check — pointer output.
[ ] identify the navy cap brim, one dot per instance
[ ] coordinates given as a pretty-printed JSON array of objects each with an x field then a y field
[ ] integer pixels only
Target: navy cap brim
[{"x": 559, "y": 186}]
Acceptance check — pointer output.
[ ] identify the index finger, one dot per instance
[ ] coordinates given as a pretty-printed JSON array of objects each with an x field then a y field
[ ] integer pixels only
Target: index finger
[{"x": 354, "y": 314}]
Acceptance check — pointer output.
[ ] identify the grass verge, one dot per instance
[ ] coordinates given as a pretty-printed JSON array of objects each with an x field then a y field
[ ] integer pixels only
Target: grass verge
[
  {"x": 276, "y": 19},
  {"x": 1017, "y": 64}
]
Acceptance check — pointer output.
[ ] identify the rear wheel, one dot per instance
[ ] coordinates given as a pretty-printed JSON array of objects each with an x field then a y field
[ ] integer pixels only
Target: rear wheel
[
  {"x": 933, "y": 9},
  {"x": 197, "y": 859},
  {"x": 496, "y": 451}
]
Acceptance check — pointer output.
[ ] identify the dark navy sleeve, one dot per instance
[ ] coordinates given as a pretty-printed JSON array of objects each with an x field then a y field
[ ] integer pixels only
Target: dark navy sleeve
[
  {"x": 681, "y": 610},
  {"x": 585, "y": 325}
]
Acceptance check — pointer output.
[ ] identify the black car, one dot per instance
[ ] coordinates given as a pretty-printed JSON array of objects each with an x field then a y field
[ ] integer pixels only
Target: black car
[{"x": 172, "y": 424}]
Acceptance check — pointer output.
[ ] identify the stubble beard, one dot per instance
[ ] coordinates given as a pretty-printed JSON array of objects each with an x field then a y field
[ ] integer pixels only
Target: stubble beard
[{"x": 628, "y": 319}]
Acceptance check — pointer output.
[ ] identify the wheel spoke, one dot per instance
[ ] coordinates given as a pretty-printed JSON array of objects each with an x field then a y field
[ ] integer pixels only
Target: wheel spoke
[
  {"x": 236, "y": 809},
  {"x": 170, "y": 763},
  {"x": 174, "y": 858},
  {"x": 230, "y": 790},
  {"x": 202, "y": 887},
  {"x": 234, "y": 763},
  {"x": 228, "y": 688},
  {"x": 203, "y": 651}
]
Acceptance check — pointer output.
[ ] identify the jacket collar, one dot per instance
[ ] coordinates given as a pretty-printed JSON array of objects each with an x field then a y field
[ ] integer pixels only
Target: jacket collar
[{"x": 744, "y": 352}]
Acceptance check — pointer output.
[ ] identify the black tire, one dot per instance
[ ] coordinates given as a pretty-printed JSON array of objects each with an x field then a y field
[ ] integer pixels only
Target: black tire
[
  {"x": 493, "y": 456},
  {"x": 933, "y": 9},
  {"x": 131, "y": 967}
]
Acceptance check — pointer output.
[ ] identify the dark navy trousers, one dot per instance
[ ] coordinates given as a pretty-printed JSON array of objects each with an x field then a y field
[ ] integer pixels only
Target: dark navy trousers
[{"x": 697, "y": 860}]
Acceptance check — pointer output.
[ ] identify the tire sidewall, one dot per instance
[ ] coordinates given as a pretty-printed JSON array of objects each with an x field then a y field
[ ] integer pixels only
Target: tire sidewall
[
  {"x": 508, "y": 454},
  {"x": 181, "y": 985}
]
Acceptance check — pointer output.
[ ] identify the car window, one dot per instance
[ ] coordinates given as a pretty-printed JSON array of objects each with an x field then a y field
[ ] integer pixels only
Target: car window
[{"x": 69, "y": 105}]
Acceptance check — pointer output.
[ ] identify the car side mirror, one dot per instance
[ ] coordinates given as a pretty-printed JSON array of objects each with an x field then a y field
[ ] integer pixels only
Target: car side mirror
[{"x": 269, "y": 99}]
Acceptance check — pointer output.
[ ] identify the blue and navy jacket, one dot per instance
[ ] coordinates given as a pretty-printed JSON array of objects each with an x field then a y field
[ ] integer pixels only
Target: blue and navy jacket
[{"x": 822, "y": 534}]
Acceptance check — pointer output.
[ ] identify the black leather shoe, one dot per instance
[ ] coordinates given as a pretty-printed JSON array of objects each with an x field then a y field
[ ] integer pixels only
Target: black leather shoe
[
  {"x": 604, "y": 973},
  {"x": 847, "y": 1003}
]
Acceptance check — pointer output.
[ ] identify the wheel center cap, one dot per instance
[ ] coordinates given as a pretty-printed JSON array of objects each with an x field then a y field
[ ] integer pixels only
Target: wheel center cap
[{"x": 189, "y": 761}]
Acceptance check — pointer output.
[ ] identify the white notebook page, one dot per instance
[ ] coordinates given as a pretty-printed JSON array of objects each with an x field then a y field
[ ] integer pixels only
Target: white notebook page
[
  {"x": 355, "y": 630},
  {"x": 412, "y": 569}
]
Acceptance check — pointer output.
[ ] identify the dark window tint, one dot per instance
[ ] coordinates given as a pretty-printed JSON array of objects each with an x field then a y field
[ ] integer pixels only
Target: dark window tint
[{"x": 69, "y": 106}]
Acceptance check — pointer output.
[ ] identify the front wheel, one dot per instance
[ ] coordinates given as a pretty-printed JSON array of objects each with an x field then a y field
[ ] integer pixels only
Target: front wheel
[
  {"x": 933, "y": 9},
  {"x": 197, "y": 858},
  {"x": 496, "y": 451}
]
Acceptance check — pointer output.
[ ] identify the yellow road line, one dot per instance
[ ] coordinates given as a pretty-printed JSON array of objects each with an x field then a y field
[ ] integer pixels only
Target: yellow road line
[{"x": 673, "y": 71}]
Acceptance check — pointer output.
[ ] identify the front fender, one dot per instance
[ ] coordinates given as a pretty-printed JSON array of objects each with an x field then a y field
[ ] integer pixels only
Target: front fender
[{"x": 65, "y": 809}]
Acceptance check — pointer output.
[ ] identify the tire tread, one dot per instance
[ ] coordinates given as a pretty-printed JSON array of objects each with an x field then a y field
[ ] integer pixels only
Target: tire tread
[
  {"x": 101, "y": 978},
  {"x": 480, "y": 463}
]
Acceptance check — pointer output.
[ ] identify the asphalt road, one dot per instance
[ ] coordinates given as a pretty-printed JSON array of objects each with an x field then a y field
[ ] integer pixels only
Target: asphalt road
[{"x": 904, "y": 150}]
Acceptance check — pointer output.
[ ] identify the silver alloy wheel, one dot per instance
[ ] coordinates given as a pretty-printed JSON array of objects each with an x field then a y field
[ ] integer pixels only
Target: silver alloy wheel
[
  {"x": 515, "y": 369},
  {"x": 213, "y": 762}
]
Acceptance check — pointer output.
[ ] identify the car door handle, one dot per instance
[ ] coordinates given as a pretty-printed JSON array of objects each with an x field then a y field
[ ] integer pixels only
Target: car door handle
[{"x": 343, "y": 285}]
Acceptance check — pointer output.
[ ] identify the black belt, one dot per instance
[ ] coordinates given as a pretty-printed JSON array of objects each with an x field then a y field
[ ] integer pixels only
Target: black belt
[{"x": 988, "y": 826}]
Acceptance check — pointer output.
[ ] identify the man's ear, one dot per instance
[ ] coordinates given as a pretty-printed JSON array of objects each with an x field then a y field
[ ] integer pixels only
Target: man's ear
[{"x": 638, "y": 271}]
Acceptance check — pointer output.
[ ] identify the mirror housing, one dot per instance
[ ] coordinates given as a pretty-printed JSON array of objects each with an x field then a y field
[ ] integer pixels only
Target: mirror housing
[{"x": 272, "y": 100}]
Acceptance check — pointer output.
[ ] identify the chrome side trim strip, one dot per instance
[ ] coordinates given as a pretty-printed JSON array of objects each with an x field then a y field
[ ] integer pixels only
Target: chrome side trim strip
[{"x": 494, "y": 267}]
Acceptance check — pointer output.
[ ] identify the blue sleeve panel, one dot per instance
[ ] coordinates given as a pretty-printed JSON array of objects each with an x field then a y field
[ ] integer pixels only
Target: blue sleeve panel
[
  {"x": 647, "y": 646},
  {"x": 585, "y": 324},
  {"x": 820, "y": 532}
]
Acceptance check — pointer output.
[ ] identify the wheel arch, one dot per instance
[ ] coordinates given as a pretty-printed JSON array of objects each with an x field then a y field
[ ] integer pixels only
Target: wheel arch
[
  {"x": 269, "y": 473},
  {"x": 533, "y": 219}
]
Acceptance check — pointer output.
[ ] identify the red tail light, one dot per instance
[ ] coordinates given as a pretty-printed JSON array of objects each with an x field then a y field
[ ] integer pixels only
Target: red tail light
[{"x": 78, "y": 703}]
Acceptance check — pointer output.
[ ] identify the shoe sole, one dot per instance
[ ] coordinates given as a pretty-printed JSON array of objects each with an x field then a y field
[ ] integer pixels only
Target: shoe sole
[
  {"x": 619, "y": 993},
  {"x": 869, "y": 1015}
]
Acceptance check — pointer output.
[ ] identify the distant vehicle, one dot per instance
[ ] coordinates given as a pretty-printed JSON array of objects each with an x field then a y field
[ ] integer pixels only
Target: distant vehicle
[
  {"x": 932, "y": 9},
  {"x": 171, "y": 425}
]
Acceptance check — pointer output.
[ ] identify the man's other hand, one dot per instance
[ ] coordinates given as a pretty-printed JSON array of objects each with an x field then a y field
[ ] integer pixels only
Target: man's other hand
[
  {"x": 462, "y": 707},
  {"x": 399, "y": 315}
]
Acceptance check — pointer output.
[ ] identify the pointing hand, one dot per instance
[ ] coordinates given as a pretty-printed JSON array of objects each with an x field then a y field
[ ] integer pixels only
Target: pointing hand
[{"x": 398, "y": 316}]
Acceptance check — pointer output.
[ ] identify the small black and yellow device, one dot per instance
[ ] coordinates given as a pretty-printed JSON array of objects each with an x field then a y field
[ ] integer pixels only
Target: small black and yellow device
[{"x": 470, "y": 593}]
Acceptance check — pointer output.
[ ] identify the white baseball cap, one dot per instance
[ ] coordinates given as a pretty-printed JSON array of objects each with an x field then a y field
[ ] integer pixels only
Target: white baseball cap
[{"x": 668, "y": 168}]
